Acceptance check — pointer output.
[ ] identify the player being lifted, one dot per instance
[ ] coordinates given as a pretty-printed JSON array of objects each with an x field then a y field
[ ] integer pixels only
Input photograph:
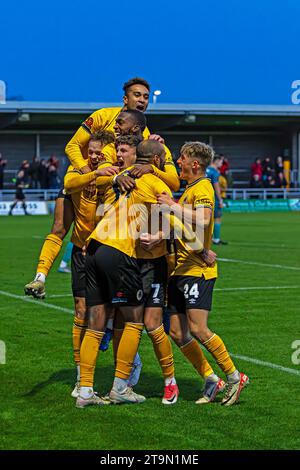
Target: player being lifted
[{"x": 136, "y": 96}]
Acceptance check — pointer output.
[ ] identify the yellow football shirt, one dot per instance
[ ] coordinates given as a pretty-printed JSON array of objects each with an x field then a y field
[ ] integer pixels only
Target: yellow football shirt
[
  {"x": 198, "y": 194},
  {"x": 85, "y": 203},
  {"x": 102, "y": 119},
  {"x": 122, "y": 225}
]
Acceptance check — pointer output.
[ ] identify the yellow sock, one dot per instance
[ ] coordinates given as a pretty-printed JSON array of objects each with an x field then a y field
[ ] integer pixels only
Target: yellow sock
[
  {"x": 163, "y": 351},
  {"x": 195, "y": 356},
  {"x": 48, "y": 254},
  {"x": 117, "y": 335},
  {"x": 218, "y": 350},
  {"x": 127, "y": 349},
  {"x": 79, "y": 329},
  {"x": 88, "y": 356}
]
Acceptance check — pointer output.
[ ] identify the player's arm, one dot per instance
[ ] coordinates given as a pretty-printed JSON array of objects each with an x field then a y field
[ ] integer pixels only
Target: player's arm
[
  {"x": 169, "y": 176},
  {"x": 75, "y": 181},
  {"x": 200, "y": 213},
  {"x": 75, "y": 148}
]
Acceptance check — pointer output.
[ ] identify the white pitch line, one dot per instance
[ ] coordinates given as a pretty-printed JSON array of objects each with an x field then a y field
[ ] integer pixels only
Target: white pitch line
[
  {"x": 260, "y": 244},
  {"x": 227, "y": 289},
  {"x": 40, "y": 303},
  {"x": 56, "y": 296},
  {"x": 237, "y": 356},
  {"x": 266, "y": 364},
  {"x": 227, "y": 260}
]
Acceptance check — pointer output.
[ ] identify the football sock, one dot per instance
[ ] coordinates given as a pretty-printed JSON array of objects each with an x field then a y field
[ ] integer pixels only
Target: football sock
[
  {"x": 234, "y": 377},
  {"x": 78, "y": 373},
  {"x": 86, "y": 392},
  {"x": 117, "y": 335},
  {"x": 49, "y": 252},
  {"x": 127, "y": 349},
  {"x": 170, "y": 380},
  {"x": 88, "y": 356},
  {"x": 218, "y": 350},
  {"x": 212, "y": 378},
  {"x": 79, "y": 329},
  {"x": 195, "y": 356},
  {"x": 40, "y": 277},
  {"x": 217, "y": 232},
  {"x": 163, "y": 351},
  {"x": 119, "y": 384}
]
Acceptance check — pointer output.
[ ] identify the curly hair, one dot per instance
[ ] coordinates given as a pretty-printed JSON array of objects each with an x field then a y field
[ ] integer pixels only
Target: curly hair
[
  {"x": 105, "y": 137},
  {"x": 131, "y": 140}
]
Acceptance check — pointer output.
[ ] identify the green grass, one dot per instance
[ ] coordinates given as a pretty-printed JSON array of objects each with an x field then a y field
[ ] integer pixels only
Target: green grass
[{"x": 37, "y": 411}]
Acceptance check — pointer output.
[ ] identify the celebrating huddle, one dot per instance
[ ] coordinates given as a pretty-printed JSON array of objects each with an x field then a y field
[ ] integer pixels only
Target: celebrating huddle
[{"x": 135, "y": 251}]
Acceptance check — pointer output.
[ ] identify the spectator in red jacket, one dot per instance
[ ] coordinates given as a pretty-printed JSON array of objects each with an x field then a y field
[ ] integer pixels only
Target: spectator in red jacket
[{"x": 257, "y": 169}]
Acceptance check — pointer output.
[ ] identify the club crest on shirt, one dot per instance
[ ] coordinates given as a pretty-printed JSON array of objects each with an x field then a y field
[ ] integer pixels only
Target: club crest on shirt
[{"x": 89, "y": 122}]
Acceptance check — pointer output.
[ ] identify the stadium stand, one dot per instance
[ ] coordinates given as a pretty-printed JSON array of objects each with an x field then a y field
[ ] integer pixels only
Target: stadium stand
[{"x": 240, "y": 132}]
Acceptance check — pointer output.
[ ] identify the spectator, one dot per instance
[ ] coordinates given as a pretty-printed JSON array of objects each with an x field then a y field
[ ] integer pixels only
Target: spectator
[
  {"x": 53, "y": 160},
  {"x": 256, "y": 182},
  {"x": 225, "y": 166},
  {"x": 280, "y": 180},
  {"x": 2, "y": 165},
  {"x": 43, "y": 174},
  {"x": 278, "y": 165},
  {"x": 53, "y": 179},
  {"x": 25, "y": 168},
  {"x": 34, "y": 173},
  {"x": 268, "y": 171},
  {"x": 257, "y": 169}
]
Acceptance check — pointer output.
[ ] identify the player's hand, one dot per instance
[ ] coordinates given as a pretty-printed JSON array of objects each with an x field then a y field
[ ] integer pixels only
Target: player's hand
[
  {"x": 141, "y": 170},
  {"x": 108, "y": 171},
  {"x": 148, "y": 241},
  {"x": 85, "y": 169},
  {"x": 209, "y": 257},
  {"x": 221, "y": 203},
  {"x": 165, "y": 199},
  {"x": 125, "y": 183},
  {"x": 156, "y": 137}
]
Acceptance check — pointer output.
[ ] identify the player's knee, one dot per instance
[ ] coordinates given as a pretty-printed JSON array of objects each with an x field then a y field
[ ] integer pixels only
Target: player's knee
[
  {"x": 202, "y": 333},
  {"x": 97, "y": 318},
  {"x": 177, "y": 336},
  {"x": 152, "y": 322},
  {"x": 80, "y": 308}
]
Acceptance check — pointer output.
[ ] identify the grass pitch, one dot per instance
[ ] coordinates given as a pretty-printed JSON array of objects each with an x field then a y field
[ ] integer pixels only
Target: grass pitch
[{"x": 255, "y": 311}]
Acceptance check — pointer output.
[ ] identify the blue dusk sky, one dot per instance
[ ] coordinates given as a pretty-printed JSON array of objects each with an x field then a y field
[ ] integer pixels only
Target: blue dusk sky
[{"x": 194, "y": 51}]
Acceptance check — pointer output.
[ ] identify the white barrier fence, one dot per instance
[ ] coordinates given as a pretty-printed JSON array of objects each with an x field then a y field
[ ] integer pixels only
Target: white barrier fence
[{"x": 32, "y": 207}]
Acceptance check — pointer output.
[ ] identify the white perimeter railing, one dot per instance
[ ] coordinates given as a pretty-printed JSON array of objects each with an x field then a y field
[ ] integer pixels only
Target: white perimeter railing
[{"x": 236, "y": 193}]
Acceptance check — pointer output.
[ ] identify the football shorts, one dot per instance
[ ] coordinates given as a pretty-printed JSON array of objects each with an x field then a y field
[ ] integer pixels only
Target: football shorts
[{"x": 190, "y": 292}]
